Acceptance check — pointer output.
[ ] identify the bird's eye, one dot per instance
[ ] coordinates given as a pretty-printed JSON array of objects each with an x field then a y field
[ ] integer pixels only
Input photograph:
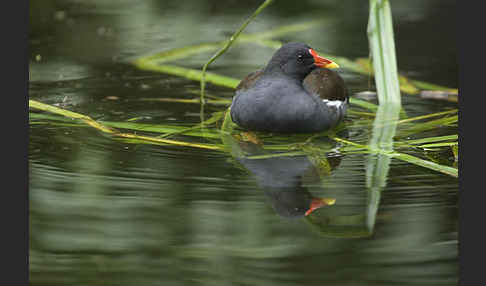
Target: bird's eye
[{"x": 300, "y": 58}]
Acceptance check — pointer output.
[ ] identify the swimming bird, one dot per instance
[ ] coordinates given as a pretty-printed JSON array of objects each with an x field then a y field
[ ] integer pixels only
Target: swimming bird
[{"x": 296, "y": 92}]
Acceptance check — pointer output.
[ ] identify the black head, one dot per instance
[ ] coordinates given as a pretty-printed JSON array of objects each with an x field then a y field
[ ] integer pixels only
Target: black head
[{"x": 296, "y": 60}]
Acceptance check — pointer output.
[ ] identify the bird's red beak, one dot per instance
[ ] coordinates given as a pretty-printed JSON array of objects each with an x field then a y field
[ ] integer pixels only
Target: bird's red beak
[
  {"x": 317, "y": 203},
  {"x": 322, "y": 62}
]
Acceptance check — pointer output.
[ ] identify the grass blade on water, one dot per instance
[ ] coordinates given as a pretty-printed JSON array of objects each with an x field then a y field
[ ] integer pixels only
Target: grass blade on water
[{"x": 112, "y": 131}]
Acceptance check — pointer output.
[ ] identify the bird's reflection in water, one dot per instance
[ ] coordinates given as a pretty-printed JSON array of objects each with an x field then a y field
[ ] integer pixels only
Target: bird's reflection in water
[
  {"x": 282, "y": 180},
  {"x": 286, "y": 180}
]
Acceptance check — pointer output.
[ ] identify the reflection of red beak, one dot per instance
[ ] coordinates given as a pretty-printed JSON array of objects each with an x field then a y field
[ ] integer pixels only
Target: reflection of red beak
[
  {"x": 322, "y": 62},
  {"x": 317, "y": 203}
]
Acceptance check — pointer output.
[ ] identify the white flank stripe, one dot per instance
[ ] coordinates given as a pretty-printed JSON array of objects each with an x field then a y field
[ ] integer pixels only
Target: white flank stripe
[{"x": 335, "y": 103}]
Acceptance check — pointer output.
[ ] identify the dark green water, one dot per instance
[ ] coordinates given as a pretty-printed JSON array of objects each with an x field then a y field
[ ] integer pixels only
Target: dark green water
[{"x": 108, "y": 212}]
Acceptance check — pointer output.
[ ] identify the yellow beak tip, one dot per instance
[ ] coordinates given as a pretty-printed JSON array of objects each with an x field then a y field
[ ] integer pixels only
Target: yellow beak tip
[
  {"x": 329, "y": 201},
  {"x": 332, "y": 65}
]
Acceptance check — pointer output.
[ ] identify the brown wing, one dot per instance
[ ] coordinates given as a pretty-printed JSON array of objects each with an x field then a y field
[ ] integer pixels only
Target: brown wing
[
  {"x": 249, "y": 80},
  {"x": 327, "y": 84}
]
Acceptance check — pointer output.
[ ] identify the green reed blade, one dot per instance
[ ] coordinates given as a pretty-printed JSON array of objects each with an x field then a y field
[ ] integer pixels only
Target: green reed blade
[
  {"x": 428, "y": 116},
  {"x": 179, "y": 53},
  {"x": 425, "y": 126},
  {"x": 164, "y": 129},
  {"x": 382, "y": 45},
  {"x": 225, "y": 102},
  {"x": 427, "y": 164},
  {"x": 430, "y": 139},
  {"x": 431, "y": 86},
  {"x": 433, "y": 145},
  {"x": 363, "y": 103},
  {"x": 191, "y": 74},
  {"x": 455, "y": 151}
]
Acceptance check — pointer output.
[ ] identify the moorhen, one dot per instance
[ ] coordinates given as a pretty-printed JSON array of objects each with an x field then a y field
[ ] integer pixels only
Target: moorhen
[{"x": 295, "y": 93}]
